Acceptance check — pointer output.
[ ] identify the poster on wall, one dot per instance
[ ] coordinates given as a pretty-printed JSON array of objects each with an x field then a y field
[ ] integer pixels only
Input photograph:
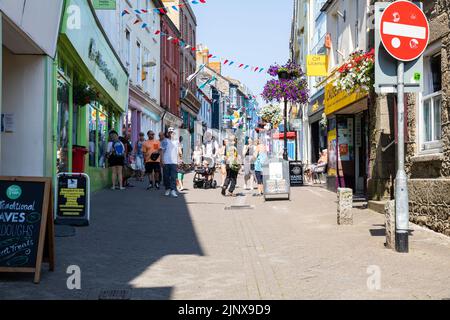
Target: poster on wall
[
  {"x": 7, "y": 122},
  {"x": 332, "y": 157},
  {"x": 345, "y": 132}
]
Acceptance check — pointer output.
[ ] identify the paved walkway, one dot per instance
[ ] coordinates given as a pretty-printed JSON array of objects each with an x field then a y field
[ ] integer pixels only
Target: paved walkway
[{"x": 192, "y": 248}]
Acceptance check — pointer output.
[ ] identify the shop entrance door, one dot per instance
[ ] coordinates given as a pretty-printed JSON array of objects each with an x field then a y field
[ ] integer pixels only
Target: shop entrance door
[{"x": 360, "y": 154}]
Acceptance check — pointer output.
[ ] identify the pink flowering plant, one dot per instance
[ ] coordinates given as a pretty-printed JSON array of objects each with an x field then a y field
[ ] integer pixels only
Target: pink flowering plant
[{"x": 294, "y": 89}]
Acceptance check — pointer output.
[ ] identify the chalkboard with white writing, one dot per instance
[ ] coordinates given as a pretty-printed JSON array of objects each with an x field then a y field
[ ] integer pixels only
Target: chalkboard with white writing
[{"x": 24, "y": 217}]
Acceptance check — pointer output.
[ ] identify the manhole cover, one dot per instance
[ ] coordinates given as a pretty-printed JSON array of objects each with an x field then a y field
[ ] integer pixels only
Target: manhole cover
[{"x": 115, "y": 294}]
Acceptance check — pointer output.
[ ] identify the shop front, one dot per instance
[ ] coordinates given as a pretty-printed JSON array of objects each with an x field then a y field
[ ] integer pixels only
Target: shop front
[
  {"x": 347, "y": 119},
  {"x": 317, "y": 126},
  {"x": 90, "y": 94}
]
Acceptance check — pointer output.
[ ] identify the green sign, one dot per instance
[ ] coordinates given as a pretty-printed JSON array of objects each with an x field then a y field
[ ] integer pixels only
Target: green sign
[
  {"x": 104, "y": 4},
  {"x": 81, "y": 29},
  {"x": 14, "y": 192},
  {"x": 417, "y": 76}
]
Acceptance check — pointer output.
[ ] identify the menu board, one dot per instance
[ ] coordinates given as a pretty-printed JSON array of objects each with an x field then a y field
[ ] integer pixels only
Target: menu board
[
  {"x": 72, "y": 205},
  {"x": 24, "y": 208},
  {"x": 296, "y": 173}
]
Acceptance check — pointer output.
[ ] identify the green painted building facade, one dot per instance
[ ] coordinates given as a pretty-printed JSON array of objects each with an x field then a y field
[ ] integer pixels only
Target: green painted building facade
[{"x": 90, "y": 93}]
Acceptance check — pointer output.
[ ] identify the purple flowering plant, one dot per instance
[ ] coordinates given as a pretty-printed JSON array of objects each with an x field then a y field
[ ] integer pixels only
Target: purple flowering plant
[{"x": 294, "y": 89}]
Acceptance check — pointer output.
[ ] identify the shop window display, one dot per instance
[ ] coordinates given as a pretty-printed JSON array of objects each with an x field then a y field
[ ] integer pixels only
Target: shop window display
[{"x": 62, "y": 155}]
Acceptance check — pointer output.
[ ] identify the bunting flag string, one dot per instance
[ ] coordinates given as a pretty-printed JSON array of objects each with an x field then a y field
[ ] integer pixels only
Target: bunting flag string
[
  {"x": 163, "y": 10},
  {"x": 225, "y": 61},
  {"x": 183, "y": 45}
]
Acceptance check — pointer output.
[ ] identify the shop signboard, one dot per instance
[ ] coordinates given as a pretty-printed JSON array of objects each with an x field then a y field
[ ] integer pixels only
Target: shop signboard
[
  {"x": 316, "y": 65},
  {"x": 81, "y": 29},
  {"x": 296, "y": 173},
  {"x": 276, "y": 179},
  {"x": 26, "y": 224},
  {"x": 336, "y": 99},
  {"x": 72, "y": 199},
  {"x": 104, "y": 4}
]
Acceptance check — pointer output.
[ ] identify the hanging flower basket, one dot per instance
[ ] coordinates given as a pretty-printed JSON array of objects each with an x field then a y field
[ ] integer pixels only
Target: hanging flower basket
[
  {"x": 291, "y": 84},
  {"x": 283, "y": 74},
  {"x": 358, "y": 73}
]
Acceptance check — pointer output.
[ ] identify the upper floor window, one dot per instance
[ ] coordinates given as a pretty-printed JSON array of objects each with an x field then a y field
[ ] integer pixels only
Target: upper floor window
[
  {"x": 138, "y": 63},
  {"x": 430, "y": 128},
  {"x": 127, "y": 48}
]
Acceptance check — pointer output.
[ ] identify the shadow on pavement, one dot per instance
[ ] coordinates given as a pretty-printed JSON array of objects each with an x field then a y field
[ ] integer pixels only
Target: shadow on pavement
[{"x": 129, "y": 232}]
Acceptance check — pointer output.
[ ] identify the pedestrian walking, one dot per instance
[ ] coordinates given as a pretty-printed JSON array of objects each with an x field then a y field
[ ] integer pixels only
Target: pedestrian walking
[
  {"x": 127, "y": 170},
  {"x": 169, "y": 155},
  {"x": 210, "y": 147},
  {"x": 152, "y": 157},
  {"x": 139, "y": 157},
  {"x": 180, "y": 169},
  {"x": 116, "y": 159},
  {"x": 162, "y": 137},
  {"x": 233, "y": 166},
  {"x": 197, "y": 155},
  {"x": 261, "y": 158},
  {"x": 222, "y": 161},
  {"x": 249, "y": 165}
]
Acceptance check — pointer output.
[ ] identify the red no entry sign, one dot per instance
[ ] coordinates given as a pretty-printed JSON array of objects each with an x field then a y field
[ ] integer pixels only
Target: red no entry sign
[{"x": 404, "y": 30}]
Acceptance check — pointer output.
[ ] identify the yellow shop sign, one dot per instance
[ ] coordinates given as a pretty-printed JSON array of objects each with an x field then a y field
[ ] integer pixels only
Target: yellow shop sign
[
  {"x": 316, "y": 65},
  {"x": 336, "y": 100}
]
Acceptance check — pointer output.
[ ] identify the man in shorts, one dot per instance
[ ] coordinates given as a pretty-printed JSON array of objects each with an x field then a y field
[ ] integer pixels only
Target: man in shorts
[{"x": 152, "y": 158}]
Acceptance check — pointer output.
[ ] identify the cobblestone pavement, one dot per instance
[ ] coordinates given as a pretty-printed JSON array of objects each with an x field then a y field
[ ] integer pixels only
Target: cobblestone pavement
[{"x": 153, "y": 247}]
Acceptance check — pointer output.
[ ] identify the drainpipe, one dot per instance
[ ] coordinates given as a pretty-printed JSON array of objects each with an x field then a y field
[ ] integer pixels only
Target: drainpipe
[
  {"x": 1, "y": 85},
  {"x": 162, "y": 120}
]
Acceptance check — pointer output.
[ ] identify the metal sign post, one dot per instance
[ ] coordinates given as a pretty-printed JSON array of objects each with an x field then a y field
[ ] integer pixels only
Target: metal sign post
[
  {"x": 401, "y": 183},
  {"x": 402, "y": 31}
]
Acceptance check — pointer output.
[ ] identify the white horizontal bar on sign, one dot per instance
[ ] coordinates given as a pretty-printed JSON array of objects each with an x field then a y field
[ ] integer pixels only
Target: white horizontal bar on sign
[{"x": 404, "y": 30}]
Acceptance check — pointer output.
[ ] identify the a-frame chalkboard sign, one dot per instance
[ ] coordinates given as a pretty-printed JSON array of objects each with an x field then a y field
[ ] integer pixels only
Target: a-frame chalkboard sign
[{"x": 26, "y": 225}]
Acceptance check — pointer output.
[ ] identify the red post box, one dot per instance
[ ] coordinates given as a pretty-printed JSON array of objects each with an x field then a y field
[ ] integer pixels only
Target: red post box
[{"x": 78, "y": 154}]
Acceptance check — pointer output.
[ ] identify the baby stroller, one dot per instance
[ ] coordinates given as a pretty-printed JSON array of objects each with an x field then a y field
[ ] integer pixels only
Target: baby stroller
[{"x": 204, "y": 176}]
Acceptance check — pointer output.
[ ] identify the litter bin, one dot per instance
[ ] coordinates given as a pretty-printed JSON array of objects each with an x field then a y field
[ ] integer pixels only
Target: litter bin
[{"x": 78, "y": 154}]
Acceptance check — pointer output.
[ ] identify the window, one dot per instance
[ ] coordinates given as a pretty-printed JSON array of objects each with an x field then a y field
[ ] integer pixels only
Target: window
[
  {"x": 430, "y": 107},
  {"x": 138, "y": 64},
  {"x": 98, "y": 136},
  {"x": 127, "y": 48},
  {"x": 146, "y": 71}
]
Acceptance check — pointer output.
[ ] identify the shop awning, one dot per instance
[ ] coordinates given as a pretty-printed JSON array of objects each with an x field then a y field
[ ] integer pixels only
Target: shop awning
[{"x": 280, "y": 136}]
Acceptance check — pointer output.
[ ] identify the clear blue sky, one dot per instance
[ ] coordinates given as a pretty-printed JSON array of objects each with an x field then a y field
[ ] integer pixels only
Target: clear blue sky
[{"x": 254, "y": 32}]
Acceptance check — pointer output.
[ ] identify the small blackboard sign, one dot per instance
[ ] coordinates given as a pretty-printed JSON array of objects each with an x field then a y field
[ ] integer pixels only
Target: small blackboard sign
[
  {"x": 296, "y": 173},
  {"x": 26, "y": 224},
  {"x": 72, "y": 203}
]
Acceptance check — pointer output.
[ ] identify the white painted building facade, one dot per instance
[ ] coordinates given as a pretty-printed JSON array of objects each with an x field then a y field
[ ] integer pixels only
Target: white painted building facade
[
  {"x": 28, "y": 40},
  {"x": 140, "y": 51}
]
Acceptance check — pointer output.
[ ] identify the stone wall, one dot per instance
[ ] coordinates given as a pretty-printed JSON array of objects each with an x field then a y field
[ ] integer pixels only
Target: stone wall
[
  {"x": 429, "y": 186},
  {"x": 429, "y": 203},
  {"x": 381, "y": 134}
]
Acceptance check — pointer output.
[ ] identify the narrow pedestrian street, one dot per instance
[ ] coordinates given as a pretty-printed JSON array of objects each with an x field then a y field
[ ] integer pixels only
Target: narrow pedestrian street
[{"x": 205, "y": 246}]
